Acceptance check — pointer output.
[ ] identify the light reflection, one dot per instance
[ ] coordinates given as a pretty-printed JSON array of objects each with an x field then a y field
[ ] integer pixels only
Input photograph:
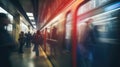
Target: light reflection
[
  {"x": 113, "y": 6},
  {"x": 31, "y": 64}
]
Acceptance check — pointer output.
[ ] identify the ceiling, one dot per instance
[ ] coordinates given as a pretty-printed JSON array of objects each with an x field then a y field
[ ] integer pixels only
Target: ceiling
[{"x": 41, "y": 9}]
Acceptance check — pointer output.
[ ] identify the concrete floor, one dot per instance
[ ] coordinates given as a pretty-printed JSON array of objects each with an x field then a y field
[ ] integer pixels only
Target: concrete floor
[{"x": 28, "y": 59}]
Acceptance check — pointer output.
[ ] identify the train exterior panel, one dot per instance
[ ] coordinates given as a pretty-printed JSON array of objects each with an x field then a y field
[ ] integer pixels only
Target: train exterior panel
[
  {"x": 98, "y": 36},
  {"x": 85, "y": 34}
]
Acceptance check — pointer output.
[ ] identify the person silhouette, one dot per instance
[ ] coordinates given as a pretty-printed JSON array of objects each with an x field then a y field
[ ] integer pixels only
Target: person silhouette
[
  {"x": 21, "y": 41},
  {"x": 37, "y": 40},
  {"x": 28, "y": 39}
]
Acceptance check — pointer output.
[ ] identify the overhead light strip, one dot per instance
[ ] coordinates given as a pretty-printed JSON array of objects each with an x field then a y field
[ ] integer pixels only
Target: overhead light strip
[{"x": 29, "y": 14}]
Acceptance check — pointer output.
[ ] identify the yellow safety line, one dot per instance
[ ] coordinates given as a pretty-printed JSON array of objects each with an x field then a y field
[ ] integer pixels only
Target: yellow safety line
[{"x": 48, "y": 61}]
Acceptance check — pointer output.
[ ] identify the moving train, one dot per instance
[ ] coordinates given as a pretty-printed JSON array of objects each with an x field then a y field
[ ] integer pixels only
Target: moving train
[{"x": 84, "y": 34}]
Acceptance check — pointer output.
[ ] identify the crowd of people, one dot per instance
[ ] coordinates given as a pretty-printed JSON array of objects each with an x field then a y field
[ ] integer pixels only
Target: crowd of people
[
  {"x": 27, "y": 39},
  {"x": 9, "y": 45}
]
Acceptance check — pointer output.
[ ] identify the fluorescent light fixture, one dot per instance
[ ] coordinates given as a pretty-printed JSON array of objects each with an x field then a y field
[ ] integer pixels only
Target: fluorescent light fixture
[
  {"x": 31, "y": 18},
  {"x": 34, "y": 26},
  {"x": 33, "y": 22},
  {"x": 2, "y": 10},
  {"x": 29, "y": 14}
]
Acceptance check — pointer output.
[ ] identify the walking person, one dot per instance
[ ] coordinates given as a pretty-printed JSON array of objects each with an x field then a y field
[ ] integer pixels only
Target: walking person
[
  {"x": 85, "y": 44},
  {"x": 37, "y": 40}
]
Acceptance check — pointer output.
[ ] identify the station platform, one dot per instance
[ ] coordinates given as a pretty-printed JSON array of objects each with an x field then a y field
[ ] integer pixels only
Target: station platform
[{"x": 28, "y": 59}]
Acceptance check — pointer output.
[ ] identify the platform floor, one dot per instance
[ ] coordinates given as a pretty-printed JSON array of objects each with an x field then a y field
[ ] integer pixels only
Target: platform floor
[{"x": 28, "y": 59}]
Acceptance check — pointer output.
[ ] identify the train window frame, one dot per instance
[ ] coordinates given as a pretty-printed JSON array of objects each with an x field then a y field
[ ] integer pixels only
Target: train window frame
[
  {"x": 68, "y": 22},
  {"x": 68, "y": 30}
]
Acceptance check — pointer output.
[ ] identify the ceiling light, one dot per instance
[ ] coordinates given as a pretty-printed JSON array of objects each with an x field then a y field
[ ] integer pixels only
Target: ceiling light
[
  {"x": 34, "y": 26},
  {"x": 2, "y": 10},
  {"x": 33, "y": 22},
  {"x": 31, "y": 18},
  {"x": 29, "y": 14}
]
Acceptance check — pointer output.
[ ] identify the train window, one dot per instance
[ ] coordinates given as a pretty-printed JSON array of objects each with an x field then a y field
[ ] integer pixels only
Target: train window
[
  {"x": 89, "y": 5},
  {"x": 101, "y": 2},
  {"x": 68, "y": 31}
]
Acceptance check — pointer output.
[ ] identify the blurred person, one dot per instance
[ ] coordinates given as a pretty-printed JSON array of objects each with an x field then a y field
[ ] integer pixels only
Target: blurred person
[
  {"x": 32, "y": 39},
  {"x": 37, "y": 40},
  {"x": 21, "y": 41},
  {"x": 85, "y": 43},
  {"x": 28, "y": 39},
  {"x": 7, "y": 44},
  {"x": 54, "y": 33}
]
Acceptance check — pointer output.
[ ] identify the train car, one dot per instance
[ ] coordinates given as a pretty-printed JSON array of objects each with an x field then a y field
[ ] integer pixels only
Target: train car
[
  {"x": 98, "y": 34},
  {"x": 84, "y": 34}
]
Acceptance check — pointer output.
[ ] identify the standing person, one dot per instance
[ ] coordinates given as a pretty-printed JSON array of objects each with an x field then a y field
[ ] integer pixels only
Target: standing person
[
  {"x": 28, "y": 39},
  {"x": 7, "y": 44},
  {"x": 21, "y": 41},
  {"x": 37, "y": 40}
]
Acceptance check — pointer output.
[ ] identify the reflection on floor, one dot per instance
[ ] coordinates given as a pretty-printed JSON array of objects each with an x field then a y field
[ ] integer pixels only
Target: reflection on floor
[{"x": 28, "y": 59}]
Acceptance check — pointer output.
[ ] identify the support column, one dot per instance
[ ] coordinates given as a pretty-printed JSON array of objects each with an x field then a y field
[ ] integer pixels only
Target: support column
[{"x": 16, "y": 27}]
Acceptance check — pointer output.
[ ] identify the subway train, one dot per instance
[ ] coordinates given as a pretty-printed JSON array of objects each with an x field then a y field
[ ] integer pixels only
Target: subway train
[{"x": 84, "y": 34}]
